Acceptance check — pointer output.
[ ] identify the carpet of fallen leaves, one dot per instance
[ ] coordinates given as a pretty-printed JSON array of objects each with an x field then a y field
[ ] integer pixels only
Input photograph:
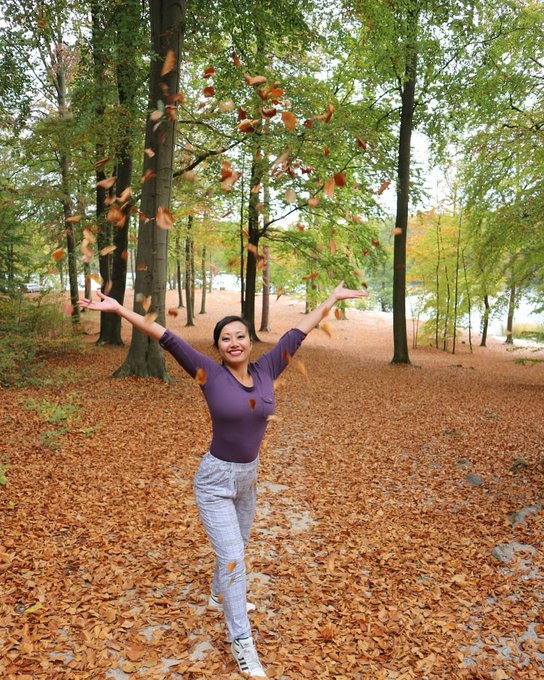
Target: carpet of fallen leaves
[{"x": 386, "y": 544}]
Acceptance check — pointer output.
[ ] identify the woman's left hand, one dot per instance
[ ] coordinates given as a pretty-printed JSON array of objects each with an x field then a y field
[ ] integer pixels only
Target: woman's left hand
[{"x": 342, "y": 293}]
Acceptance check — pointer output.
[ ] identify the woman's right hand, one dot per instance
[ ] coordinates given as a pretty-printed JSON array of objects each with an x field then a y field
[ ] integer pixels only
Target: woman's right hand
[{"x": 103, "y": 304}]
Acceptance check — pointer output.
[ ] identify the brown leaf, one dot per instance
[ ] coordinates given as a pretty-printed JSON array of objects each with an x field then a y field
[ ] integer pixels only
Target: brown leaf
[
  {"x": 209, "y": 91},
  {"x": 236, "y": 60},
  {"x": 169, "y": 62},
  {"x": 107, "y": 183},
  {"x": 289, "y": 120},
  {"x": 209, "y": 72},
  {"x": 328, "y": 187},
  {"x": 107, "y": 250},
  {"x": 164, "y": 218},
  {"x": 252, "y": 404},
  {"x": 383, "y": 186},
  {"x": 201, "y": 376},
  {"x": 254, "y": 80}
]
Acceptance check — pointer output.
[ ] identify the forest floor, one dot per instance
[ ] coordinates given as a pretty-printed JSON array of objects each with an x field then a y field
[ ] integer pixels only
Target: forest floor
[{"x": 399, "y": 528}]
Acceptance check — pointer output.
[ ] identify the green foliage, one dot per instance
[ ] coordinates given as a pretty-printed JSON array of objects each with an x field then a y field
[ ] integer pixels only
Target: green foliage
[
  {"x": 3, "y": 477},
  {"x": 58, "y": 414},
  {"x": 30, "y": 330}
]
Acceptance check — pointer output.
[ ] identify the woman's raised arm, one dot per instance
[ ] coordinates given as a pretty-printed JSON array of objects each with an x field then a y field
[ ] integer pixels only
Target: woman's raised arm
[
  {"x": 312, "y": 319},
  {"x": 108, "y": 304}
]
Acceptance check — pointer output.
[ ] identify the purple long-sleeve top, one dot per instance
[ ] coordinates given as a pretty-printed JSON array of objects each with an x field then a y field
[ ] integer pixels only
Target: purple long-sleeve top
[{"x": 239, "y": 414}]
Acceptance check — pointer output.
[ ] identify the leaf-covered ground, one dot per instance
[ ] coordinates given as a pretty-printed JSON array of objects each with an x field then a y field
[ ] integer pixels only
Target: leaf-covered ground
[{"x": 387, "y": 543}]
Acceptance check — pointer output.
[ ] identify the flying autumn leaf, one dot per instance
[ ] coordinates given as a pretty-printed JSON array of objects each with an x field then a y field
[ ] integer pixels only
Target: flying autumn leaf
[
  {"x": 247, "y": 125},
  {"x": 149, "y": 152},
  {"x": 326, "y": 328},
  {"x": 383, "y": 186},
  {"x": 301, "y": 368},
  {"x": 155, "y": 116},
  {"x": 252, "y": 404},
  {"x": 169, "y": 62},
  {"x": 101, "y": 163},
  {"x": 208, "y": 72},
  {"x": 289, "y": 120},
  {"x": 308, "y": 277},
  {"x": 116, "y": 216},
  {"x": 107, "y": 250},
  {"x": 361, "y": 142},
  {"x": 201, "y": 376},
  {"x": 290, "y": 196},
  {"x": 328, "y": 187},
  {"x": 106, "y": 183},
  {"x": 313, "y": 201},
  {"x": 332, "y": 246},
  {"x": 173, "y": 311},
  {"x": 236, "y": 59},
  {"x": 74, "y": 219},
  {"x": 338, "y": 314},
  {"x": 254, "y": 80},
  {"x": 340, "y": 179},
  {"x": 226, "y": 106},
  {"x": 326, "y": 151},
  {"x": 375, "y": 242},
  {"x": 146, "y": 302},
  {"x": 279, "y": 293},
  {"x": 228, "y": 182},
  {"x": 209, "y": 91},
  {"x": 268, "y": 113},
  {"x": 164, "y": 218},
  {"x": 57, "y": 254},
  {"x": 396, "y": 231},
  {"x": 148, "y": 175}
]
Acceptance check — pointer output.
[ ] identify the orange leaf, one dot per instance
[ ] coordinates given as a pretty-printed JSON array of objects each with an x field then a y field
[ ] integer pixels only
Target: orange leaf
[
  {"x": 252, "y": 404},
  {"x": 148, "y": 174},
  {"x": 154, "y": 116},
  {"x": 231, "y": 566},
  {"x": 73, "y": 219},
  {"x": 328, "y": 187},
  {"x": 164, "y": 218},
  {"x": 254, "y": 80},
  {"x": 236, "y": 59},
  {"x": 340, "y": 179},
  {"x": 326, "y": 329},
  {"x": 332, "y": 246},
  {"x": 173, "y": 311},
  {"x": 169, "y": 62},
  {"x": 201, "y": 376},
  {"x": 290, "y": 196},
  {"x": 313, "y": 201},
  {"x": 326, "y": 151},
  {"x": 286, "y": 357},
  {"x": 300, "y": 226},
  {"x": 338, "y": 314},
  {"x": 107, "y": 250},
  {"x": 101, "y": 163},
  {"x": 107, "y": 183},
  {"x": 116, "y": 215},
  {"x": 309, "y": 276},
  {"x": 226, "y": 106},
  {"x": 290, "y": 120},
  {"x": 375, "y": 243},
  {"x": 209, "y": 72},
  {"x": 328, "y": 115},
  {"x": 58, "y": 254},
  {"x": 279, "y": 293},
  {"x": 308, "y": 123},
  {"x": 383, "y": 186},
  {"x": 268, "y": 113},
  {"x": 209, "y": 91},
  {"x": 149, "y": 152},
  {"x": 396, "y": 231},
  {"x": 247, "y": 125},
  {"x": 301, "y": 368},
  {"x": 360, "y": 142},
  {"x": 227, "y": 183}
]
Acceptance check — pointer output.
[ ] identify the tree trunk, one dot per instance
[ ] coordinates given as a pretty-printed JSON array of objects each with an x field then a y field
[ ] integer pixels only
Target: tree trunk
[
  {"x": 265, "y": 312},
  {"x": 456, "y": 288},
  {"x": 189, "y": 298},
  {"x": 485, "y": 321},
  {"x": 510, "y": 319},
  {"x": 204, "y": 282},
  {"x": 179, "y": 284},
  {"x": 145, "y": 356},
  {"x": 400, "y": 338}
]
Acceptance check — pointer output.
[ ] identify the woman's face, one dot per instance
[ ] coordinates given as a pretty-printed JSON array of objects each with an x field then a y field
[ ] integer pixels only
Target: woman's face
[{"x": 234, "y": 344}]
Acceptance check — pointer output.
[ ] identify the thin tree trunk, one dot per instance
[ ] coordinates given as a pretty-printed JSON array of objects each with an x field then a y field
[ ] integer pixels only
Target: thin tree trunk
[
  {"x": 188, "y": 277},
  {"x": 400, "y": 337},
  {"x": 469, "y": 300},
  {"x": 265, "y": 312},
  {"x": 510, "y": 318},
  {"x": 204, "y": 281},
  {"x": 485, "y": 321},
  {"x": 456, "y": 288}
]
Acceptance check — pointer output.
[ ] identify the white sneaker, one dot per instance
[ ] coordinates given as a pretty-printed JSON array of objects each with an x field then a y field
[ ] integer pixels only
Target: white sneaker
[
  {"x": 216, "y": 604},
  {"x": 246, "y": 656}
]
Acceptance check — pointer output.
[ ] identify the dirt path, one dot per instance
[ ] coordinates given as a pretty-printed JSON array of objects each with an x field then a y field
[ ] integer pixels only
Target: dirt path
[{"x": 385, "y": 544}]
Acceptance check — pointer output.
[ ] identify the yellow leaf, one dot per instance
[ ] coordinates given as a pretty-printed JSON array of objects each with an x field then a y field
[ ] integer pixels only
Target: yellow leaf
[{"x": 34, "y": 608}]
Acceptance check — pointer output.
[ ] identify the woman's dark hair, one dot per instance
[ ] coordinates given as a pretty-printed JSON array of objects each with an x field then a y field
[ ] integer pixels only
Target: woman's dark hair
[{"x": 221, "y": 324}]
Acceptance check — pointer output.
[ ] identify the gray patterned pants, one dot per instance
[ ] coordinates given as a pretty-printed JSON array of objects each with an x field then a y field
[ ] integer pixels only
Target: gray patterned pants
[{"x": 225, "y": 495}]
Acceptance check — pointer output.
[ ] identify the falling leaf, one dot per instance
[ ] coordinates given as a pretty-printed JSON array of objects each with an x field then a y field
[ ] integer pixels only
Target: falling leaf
[
  {"x": 252, "y": 404},
  {"x": 254, "y": 80},
  {"x": 107, "y": 250},
  {"x": 338, "y": 314},
  {"x": 326, "y": 328},
  {"x": 209, "y": 72},
  {"x": 289, "y": 120},
  {"x": 164, "y": 218},
  {"x": 148, "y": 175},
  {"x": 116, "y": 215},
  {"x": 326, "y": 151},
  {"x": 268, "y": 113},
  {"x": 360, "y": 142},
  {"x": 286, "y": 357},
  {"x": 74, "y": 219},
  {"x": 247, "y": 125},
  {"x": 236, "y": 59},
  {"x": 330, "y": 111},
  {"x": 231, "y": 566},
  {"x": 101, "y": 163},
  {"x": 383, "y": 186},
  {"x": 313, "y": 201},
  {"x": 173, "y": 311},
  {"x": 106, "y": 183},
  {"x": 226, "y": 106},
  {"x": 279, "y": 293},
  {"x": 169, "y": 62},
  {"x": 125, "y": 195},
  {"x": 256, "y": 189},
  {"x": 328, "y": 187},
  {"x": 290, "y": 196},
  {"x": 340, "y": 179},
  {"x": 300, "y": 227},
  {"x": 209, "y": 91},
  {"x": 228, "y": 182},
  {"x": 149, "y": 152},
  {"x": 301, "y": 368},
  {"x": 189, "y": 176},
  {"x": 201, "y": 376},
  {"x": 308, "y": 123},
  {"x": 396, "y": 231},
  {"x": 308, "y": 277},
  {"x": 58, "y": 254},
  {"x": 146, "y": 302},
  {"x": 332, "y": 246},
  {"x": 375, "y": 242},
  {"x": 156, "y": 115}
]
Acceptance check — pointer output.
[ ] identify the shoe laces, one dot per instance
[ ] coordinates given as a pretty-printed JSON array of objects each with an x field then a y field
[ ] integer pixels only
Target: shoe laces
[{"x": 247, "y": 654}]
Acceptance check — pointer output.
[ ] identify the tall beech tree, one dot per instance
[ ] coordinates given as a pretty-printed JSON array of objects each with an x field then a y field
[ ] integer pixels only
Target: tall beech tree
[{"x": 145, "y": 357}]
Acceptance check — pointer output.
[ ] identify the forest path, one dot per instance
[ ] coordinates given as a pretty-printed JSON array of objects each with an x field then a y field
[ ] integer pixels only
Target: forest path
[{"x": 386, "y": 543}]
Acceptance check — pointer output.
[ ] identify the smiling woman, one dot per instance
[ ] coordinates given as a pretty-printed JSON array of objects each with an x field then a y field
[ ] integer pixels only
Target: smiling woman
[{"x": 240, "y": 398}]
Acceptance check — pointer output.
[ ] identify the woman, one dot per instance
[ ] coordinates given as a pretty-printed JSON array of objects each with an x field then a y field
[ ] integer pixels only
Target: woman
[{"x": 240, "y": 398}]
